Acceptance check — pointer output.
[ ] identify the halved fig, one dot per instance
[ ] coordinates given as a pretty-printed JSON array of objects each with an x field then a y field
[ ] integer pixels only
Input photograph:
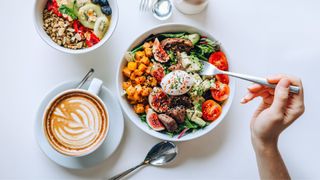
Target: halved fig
[
  {"x": 153, "y": 121},
  {"x": 159, "y": 53},
  {"x": 157, "y": 71},
  {"x": 168, "y": 122},
  {"x": 177, "y": 44},
  {"x": 178, "y": 113},
  {"x": 159, "y": 100}
]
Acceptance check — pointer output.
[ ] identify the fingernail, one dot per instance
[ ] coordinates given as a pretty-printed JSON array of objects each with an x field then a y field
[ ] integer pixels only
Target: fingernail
[
  {"x": 248, "y": 96},
  {"x": 285, "y": 83},
  {"x": 252, "y": 86},
  {"x": 243, "y": 100},
  {"x": 273, "y": 77}
]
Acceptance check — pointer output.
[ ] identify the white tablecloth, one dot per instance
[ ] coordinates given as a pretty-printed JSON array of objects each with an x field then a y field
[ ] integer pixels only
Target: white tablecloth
[{"x": 261, "y": 38}]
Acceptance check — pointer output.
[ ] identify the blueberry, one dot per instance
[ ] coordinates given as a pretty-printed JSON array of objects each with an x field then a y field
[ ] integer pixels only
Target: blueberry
[
  {"x": 104, "y": 2},
  {"x": 106, "y": 10},
  {"x": 96, "y": 1}
]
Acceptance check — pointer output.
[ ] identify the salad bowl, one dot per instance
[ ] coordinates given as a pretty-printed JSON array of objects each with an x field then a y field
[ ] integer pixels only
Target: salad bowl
[{"x": 130, "y": 112}]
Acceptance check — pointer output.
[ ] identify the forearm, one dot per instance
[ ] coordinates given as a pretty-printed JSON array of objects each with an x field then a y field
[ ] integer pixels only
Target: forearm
[{"x": 270, "y": 162}]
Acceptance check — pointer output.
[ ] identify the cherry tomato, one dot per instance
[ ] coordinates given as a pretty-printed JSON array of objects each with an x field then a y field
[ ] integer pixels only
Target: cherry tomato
[
  {"x": 211, "y": 110},
  {"x": 53, "y": 6},
  {"x": 79, "y": 28},
  {"x": 223, "y": 78},
  {"x": 219, "y": 60},
  {"x": 221, "y": 92},
  {"x": 92, "y": 40}
]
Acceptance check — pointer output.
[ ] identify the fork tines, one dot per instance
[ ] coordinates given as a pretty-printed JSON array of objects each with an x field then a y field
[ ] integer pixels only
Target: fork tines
[{"x": 145, "y": 5}]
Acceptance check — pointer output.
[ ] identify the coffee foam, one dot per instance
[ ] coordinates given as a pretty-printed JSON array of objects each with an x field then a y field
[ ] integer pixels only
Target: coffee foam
[{"x": 76, "y": 122}]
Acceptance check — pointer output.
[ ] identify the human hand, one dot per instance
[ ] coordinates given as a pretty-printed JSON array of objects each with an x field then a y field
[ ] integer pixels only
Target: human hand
[{"x": 277, "y": 111}]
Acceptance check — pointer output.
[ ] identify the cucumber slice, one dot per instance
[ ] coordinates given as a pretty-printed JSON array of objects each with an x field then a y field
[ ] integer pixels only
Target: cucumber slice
[
  {"x": 101, "y": 26},
  {"x": 88, "y": 15},
  {"x": 198, "y": 121}
]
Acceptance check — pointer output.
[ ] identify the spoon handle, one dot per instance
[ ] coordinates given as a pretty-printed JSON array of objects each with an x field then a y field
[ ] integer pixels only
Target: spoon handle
[
  {"x": 119, "y": 176},
  {"x": 86, "y": 77},
  {"x": 258, "y": 80}
]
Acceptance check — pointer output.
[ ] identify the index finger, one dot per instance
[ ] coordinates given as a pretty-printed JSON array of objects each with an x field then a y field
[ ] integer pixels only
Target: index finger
[
  {"x": 276, "y": 78},
  {"x": 294, "y": 81}
]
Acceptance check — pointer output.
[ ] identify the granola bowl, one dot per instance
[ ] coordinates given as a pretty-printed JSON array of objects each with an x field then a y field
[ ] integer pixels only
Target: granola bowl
[{"x": 61, "y": 24}]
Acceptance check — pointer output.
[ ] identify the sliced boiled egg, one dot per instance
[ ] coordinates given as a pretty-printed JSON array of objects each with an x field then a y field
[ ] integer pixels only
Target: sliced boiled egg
[{"x": 177, "y": 83}]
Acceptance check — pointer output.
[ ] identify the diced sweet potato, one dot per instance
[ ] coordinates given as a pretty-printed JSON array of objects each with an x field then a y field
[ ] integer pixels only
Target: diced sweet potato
[{"x": 132, "y": 66}]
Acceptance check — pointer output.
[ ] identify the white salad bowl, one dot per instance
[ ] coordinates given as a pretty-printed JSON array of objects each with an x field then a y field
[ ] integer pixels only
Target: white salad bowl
[
  {"x": 38, "y": 22},
  {"x": 128, "y": 109}
]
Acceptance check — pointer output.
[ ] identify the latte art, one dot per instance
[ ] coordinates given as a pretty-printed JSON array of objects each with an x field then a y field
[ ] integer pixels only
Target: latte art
[{"x": 76, "y": 123}]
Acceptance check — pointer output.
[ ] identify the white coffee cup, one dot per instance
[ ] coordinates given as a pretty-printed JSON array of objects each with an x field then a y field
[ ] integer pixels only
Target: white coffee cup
[
  {"x": 190, "y": 6},
  {"x": 76, "y": 121}
]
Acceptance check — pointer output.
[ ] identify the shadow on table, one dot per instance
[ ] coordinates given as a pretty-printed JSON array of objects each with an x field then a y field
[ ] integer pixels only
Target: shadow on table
[
  {"x": 194, "y": 19},
  {"x": 104, "y": 60},
  {"x": 202, "y": 147},
  {"x": 102, "y": 168}
]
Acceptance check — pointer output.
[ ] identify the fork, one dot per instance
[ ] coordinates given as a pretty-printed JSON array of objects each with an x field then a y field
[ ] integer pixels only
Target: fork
[
  {"x": 209, "y": 70},
  {"x": 145, "y": 5}
]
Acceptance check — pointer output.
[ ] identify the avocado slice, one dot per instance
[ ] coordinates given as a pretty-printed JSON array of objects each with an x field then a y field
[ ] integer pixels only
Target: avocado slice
[
  {"x": 194, "y": 38},
  {"x": 198, "y": 121}
]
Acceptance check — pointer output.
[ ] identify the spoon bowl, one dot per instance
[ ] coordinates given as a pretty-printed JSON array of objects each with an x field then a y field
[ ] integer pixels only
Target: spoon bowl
[
  {"x": 162, "y": 153},
  {"x": 159, "y": 155}
]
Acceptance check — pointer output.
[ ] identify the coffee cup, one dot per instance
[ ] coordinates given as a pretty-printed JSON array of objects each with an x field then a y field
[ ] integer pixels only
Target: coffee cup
[{"x": 76, "y": 121}]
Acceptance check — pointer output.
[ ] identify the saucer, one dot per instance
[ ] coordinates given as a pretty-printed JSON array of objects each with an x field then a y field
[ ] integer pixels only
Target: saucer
[{"x": 106, "y": 149}]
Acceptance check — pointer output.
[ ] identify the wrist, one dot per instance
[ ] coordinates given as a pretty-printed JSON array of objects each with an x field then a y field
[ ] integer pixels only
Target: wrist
[{"x": 264, "y": 145}]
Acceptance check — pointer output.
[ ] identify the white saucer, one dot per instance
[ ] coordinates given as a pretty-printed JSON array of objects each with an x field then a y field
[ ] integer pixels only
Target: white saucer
[{"x": 111, "y": 143}]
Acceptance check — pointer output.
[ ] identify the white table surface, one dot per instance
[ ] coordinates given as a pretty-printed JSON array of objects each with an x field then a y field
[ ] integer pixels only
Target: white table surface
[{"x": 261, "y": 38}]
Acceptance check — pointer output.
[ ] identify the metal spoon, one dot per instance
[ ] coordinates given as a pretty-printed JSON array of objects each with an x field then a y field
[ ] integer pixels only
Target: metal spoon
[
  {"x": 160, "y": 154},
  {"x": 209, "y": 70},
  {"x": 85, "y": 78}
]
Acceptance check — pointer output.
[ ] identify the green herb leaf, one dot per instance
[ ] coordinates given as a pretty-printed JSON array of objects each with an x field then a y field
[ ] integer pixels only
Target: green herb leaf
[
  {"x": 136, "y": 49},
  {"x": 172, "y": 35},
  {"x": 198, "y": 106},
  {"x": 210, "y": 42},
  {"x": 68, "y": 11},
  {"x": 190, "y": 125},
  {"x": 171, "y": 134},
  {"x": 143, "y": 118},
  {"x": 173, "y": 59},
  {"x": 205, "y": 49}
]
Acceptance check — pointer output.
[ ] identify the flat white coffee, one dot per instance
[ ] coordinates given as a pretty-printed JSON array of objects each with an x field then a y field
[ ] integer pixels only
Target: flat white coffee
[{"x": 75, "y": 123}]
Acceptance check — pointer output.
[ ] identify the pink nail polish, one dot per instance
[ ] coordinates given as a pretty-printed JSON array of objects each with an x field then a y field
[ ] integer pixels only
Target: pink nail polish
[{"x": 243, "y": 100}]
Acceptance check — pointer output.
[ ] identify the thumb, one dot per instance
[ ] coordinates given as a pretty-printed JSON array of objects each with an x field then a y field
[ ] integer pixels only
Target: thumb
[{"x": 281, "y": 95}]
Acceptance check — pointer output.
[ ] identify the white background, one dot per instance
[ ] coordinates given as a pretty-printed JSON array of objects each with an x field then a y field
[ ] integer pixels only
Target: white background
[{"x": 261, "y": 38}]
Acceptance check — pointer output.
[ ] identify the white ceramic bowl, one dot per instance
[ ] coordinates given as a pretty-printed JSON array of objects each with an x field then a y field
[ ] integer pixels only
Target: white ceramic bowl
[
  {"x": 128, "y": 109},
  {"x": 38, "y": 22}
]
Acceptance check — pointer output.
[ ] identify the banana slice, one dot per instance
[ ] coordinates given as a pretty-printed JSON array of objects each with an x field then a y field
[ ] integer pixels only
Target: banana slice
[
  {"x": 101, "y": 26},
  {"x": 68, "y": 3},
  {"x": 80, "y": 3},
  {"x": 88, "y": 15}
]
